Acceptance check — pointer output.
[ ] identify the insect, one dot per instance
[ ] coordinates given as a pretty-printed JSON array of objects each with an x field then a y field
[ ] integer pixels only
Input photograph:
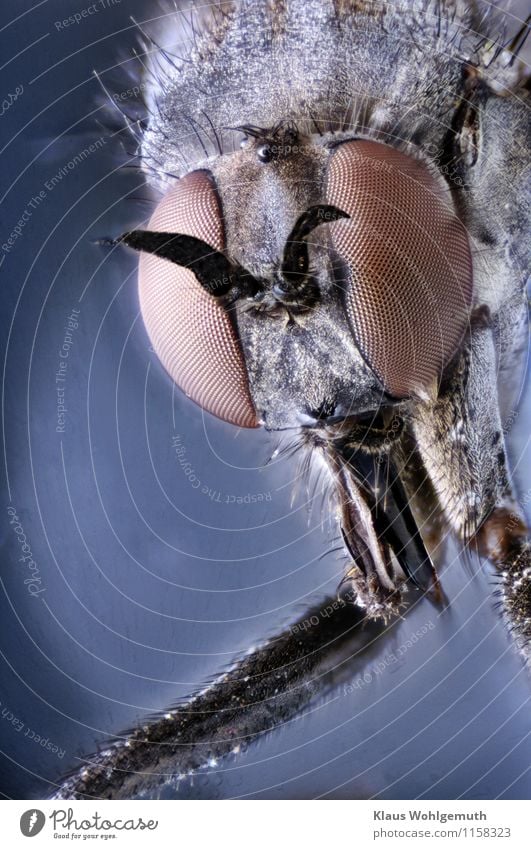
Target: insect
[{"x": 326, "y": 258}]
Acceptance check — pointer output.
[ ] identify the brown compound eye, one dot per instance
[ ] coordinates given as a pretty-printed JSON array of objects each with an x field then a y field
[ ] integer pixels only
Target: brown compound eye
[
  {"x": 191, "y": 333},
  {"x": 407, "y": 263}
]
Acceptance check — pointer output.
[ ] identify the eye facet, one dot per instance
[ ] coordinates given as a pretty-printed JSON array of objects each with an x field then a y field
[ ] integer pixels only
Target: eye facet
[
  {"x": 191, "y": 333},
  {"x": 408, "y": 286}
]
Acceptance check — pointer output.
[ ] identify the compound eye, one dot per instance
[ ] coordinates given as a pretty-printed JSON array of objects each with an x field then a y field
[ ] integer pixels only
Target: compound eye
[
  {"x": 191, "y": 333},
  {"x": 405, "y": 260}
]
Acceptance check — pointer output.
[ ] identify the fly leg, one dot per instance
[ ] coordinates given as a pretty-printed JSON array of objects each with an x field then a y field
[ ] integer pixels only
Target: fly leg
[
  {"x": 503, "y": 538},
  {"x": 461, "y": 441},
  {"x": 263, "y": 690}
]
